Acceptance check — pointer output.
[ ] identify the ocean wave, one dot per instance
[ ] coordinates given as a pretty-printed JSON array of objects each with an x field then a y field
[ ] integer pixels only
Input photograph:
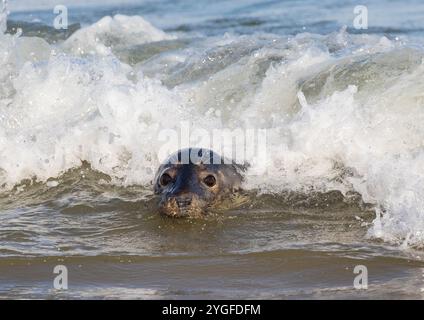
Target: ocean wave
[
  {"x": 113, "y": 32},
  {"x": 342, "y": 112}
]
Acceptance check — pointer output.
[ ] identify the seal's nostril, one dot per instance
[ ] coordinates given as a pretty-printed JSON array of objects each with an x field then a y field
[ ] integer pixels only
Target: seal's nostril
[{"x": 183, "y": 202}]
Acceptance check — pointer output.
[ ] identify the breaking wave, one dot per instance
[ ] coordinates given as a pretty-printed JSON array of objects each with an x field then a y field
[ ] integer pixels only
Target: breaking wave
[{"x": 342, "y": 112}]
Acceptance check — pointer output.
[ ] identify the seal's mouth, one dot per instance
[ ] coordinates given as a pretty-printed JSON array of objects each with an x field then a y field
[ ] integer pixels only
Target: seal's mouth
[{"x": 180, "y": 207}]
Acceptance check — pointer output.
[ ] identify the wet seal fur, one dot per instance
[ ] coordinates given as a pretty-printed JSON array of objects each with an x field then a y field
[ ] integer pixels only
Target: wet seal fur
[{"x": 191, "y": 181}]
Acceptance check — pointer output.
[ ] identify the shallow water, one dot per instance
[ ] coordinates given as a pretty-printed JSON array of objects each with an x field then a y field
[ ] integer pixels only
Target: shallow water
[
  {"x": 115, "y": 245},
  {"x": 81, "y": 115}
]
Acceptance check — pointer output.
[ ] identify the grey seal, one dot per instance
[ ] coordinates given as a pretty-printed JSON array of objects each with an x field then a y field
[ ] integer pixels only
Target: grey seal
[{"x": 192, "y": 181}]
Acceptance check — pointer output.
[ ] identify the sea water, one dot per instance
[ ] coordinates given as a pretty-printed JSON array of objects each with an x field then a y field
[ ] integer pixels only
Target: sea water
[{"x": 83, "y": 109}]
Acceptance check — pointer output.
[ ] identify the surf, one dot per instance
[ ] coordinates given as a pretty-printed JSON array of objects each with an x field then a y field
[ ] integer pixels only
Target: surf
[{"x": 342, "y": 112}]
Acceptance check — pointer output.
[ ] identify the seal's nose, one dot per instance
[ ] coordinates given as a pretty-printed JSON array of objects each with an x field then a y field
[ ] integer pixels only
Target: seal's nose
[
  {"x": 183, "y": 205},
  {"x": 183, "y": 202}
]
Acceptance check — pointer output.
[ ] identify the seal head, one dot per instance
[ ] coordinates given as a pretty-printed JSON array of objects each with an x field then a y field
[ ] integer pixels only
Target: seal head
[{"x": 193, "y": 180}]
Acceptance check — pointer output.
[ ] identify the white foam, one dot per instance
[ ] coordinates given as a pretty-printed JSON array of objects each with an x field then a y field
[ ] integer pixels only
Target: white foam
[
  {"x": 109, "y": 32},
  {"x": 3, "y": 17}
]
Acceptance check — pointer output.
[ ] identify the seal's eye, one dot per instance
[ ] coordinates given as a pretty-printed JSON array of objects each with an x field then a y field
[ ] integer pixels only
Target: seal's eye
[
  {"x": 210, "y": 181},
  {"x": 165, "y": 179}
]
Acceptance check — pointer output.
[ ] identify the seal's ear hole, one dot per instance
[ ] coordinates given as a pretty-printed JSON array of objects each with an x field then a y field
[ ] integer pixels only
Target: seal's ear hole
[
  {"x": 165, "y": 179},
  {"x": 209, "y": 180}
]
